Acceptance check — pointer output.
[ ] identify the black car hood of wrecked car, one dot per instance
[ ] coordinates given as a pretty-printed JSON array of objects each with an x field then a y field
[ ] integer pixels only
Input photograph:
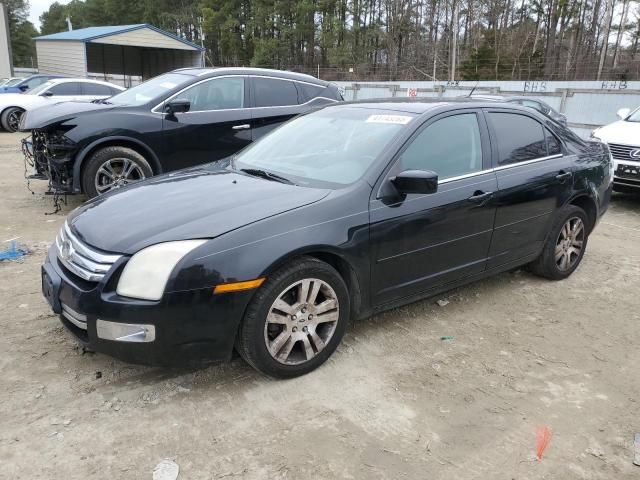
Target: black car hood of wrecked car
[
  {"x": 202, "y": 202},
  {"x": 58, "y": 113}
]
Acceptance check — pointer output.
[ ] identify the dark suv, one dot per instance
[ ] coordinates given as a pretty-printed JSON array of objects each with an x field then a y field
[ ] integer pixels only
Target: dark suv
[{"x": 176, "y": 120}]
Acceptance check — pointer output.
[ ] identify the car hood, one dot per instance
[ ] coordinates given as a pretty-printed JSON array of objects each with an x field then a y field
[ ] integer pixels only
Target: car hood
[
  {"x": 56, "y": 113},
  {"x": 627, "y": 133},
  {"x": 203, "y": 202}
]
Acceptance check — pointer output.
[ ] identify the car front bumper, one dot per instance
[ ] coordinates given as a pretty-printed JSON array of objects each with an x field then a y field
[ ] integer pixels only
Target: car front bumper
[
  {"x": 184, "y": 328},
  {"x": 626, "y": 175}
]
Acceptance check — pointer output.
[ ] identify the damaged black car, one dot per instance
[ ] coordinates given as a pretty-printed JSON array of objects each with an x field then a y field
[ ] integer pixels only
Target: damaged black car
[{"x": 180, "y": 119}]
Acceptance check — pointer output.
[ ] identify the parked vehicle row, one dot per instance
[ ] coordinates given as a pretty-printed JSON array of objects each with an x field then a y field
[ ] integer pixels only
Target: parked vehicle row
[{"x": 343, "y": 211}]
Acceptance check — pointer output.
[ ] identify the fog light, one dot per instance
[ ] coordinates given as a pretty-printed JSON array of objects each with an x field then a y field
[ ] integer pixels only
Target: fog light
[{"x": 125, "y": 332}]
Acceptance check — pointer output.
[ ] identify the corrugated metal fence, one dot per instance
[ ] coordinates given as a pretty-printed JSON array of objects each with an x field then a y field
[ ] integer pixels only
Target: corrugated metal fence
[{"x": 587, "y": 105}]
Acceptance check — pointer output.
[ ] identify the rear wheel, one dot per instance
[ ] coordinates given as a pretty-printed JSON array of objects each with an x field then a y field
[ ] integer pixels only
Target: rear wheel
[
  {"x": 565, "y": 245},
  {"x": 296, "y": 319},
  {"x": 111, "y": 168},
  {"x": 10, "y": 119}
]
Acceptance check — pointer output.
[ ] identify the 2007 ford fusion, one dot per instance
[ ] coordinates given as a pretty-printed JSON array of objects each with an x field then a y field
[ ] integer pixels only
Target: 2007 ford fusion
[{"x": 340, "y": 213}]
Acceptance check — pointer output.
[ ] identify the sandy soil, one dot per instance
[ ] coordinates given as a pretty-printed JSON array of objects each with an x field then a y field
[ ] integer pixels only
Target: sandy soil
[{"x": 395, "y": 401}]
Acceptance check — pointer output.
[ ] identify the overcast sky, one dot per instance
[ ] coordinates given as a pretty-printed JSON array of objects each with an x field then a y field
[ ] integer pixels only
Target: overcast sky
[{"x": 39, "y": 6}]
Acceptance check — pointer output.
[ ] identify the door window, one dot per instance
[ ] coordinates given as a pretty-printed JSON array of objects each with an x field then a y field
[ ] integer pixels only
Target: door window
[
  {"x": 271, "y": 92},
  {"x": 216, "y": 94},
  {"x": 96, "y": 89},
  {"x": 68, "y": 88},
  {"x": 34, "y": 82},
  {"x": 307, "y": 92},
  {"x": 520, "y": 138},
  {"x": 449, "y": 147},
  {"x": 553, "y": 144}
]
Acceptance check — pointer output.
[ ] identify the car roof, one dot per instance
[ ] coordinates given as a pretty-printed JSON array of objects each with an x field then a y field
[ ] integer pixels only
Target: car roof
[
  {"x": 424, "y": 105},
  {"x": 212, "y": 72},
  {"x": 86, "y": 80}
]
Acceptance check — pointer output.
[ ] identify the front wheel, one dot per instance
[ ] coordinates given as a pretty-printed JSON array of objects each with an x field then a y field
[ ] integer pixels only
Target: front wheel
[
  {"x": 565, "y": 246},
  {"x": 296, "y": 319},
  {"x": 111, "y": 168},
  {"x": 10, "y": 119}
]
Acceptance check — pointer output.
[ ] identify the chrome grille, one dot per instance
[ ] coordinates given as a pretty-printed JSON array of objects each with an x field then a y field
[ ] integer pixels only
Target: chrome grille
[
  {"x": 80, "y": 259},
  {"x": 623, "y": 152}
]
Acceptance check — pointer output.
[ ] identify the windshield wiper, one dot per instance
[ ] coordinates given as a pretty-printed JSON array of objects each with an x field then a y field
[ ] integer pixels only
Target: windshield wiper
[{"x": 256, "y": 172}]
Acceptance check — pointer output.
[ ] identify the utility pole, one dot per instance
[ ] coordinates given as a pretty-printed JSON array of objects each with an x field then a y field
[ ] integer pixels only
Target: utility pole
[
  {"x": 454, "y": 42},
  {"x": 605, "y": 41}
]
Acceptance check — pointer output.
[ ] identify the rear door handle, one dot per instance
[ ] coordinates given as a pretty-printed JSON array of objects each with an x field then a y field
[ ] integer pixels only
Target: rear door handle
[
  {"x": 562, "y": 176},
  {"x": 479, "y": 196},
  {"x": 244, "y": 126}
]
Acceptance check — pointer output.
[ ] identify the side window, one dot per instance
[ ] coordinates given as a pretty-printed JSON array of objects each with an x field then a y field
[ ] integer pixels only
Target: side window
[
  {"x": 96, "y": 89},
  {"x": 520, "y": 138},
  {"x": 271, "y": 92},
  {"x": 307, "y": 92},
  {"x": 216, "y": 94},
  {"x": 450, "y": 147},
  {"x": 34, "y": 82},
  {"x": 553, "y": 144},
  {"x": 68, "y": 88}
]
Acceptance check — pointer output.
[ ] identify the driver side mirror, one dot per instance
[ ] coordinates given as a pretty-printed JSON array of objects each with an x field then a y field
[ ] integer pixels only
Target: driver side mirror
[
  {"x": 623, "y": 113},
  {"x": 48, "y": 93},
  {"x": 416, "y": 181},
  {"x": 23, "y": 88},
  {"x": 177, "y": 106}
]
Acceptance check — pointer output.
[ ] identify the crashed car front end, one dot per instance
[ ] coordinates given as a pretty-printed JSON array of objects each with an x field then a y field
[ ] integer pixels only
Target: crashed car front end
[{"x": 51, "y": 154}]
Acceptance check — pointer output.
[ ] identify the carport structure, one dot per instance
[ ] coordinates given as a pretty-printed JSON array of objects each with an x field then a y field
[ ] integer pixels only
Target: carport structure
[{"x": 132, "y": 52}]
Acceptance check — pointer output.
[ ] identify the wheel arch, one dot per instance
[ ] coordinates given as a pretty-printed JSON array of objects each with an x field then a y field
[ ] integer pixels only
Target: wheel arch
[
  {"x": 338, "y": 261},
  {"x": 114, "y": 141},
  {"x": 588, "y": 204}
]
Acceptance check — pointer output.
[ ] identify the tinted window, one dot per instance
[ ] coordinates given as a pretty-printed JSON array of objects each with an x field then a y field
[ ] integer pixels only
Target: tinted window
[
  {"x": 69, "y": 88},
  {"x": 307, "y": 92},
  {"x": 96, "y": 89},
  {"x": 216, "y": 94},
  {"x": 449, "y": 147},
  {"x": 520, "y": 138},
  {"x": 274, "y": 93},
  {"x": 553, "y": 144}
]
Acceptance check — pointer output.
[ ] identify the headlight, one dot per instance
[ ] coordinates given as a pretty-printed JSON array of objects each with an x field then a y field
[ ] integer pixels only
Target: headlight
[{"x": 145, "y": 275}]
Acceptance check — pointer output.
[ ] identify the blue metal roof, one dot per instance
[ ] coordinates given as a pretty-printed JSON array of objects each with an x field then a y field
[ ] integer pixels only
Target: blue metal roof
[{"x": 92, "y": 33}]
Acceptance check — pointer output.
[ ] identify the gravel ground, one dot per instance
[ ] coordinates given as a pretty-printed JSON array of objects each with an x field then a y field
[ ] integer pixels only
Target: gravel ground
[{"x": 395, "y": 401}]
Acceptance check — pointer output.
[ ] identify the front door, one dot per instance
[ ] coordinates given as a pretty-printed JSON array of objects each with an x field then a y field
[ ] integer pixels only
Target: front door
[
  {"x": 422, "y": 242},
  {"x": 217, "y": 125},
  {"x": 534, "y": 181}
]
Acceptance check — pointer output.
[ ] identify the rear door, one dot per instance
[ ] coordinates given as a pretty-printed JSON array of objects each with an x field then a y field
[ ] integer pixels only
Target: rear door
[
  {"x": 422, "y": 242},
  {"x": 534, "y": 181},
  {"x": 217, "y": 125},
  {"x": 276, "y": 100}
]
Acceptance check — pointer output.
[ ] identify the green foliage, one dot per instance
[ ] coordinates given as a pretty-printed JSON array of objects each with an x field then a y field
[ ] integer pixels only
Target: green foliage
[{"x": 21, "y": 31}]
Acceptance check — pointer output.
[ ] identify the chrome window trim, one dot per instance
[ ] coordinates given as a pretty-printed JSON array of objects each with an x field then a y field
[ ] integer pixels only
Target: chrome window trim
[
  {"x": 155, "y": 109},
  {"x": 497, "y": 169}
]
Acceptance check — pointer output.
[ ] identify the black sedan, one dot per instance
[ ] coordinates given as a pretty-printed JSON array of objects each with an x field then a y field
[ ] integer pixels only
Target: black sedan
[
  {"x": 340, "y": 213},
  {"x": 180, "y": 119}
]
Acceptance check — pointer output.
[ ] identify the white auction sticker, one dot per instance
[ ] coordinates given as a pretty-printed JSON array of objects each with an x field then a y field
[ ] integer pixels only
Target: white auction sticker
[{"x": 397, "y": 119}]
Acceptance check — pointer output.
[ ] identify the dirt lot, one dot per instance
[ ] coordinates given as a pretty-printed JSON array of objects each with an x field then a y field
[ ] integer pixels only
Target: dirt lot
[{"x": 395, "y": 401}]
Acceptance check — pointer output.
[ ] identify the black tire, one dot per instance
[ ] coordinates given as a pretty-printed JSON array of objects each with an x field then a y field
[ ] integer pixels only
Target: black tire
[
  {"x": 253, "y": 332},
  {"x": 10, "y": 118},
  {"x": 119, "y": 156},
  {"x": 546, "y": 264}
]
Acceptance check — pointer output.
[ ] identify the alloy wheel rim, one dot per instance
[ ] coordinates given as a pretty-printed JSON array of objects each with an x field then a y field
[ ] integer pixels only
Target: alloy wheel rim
[
  {"x": 569, "y": 244},
  {"x": 301, "y": 321},
  {"x": 14, "y": 120},
  {"x": 116, "y": 173}
]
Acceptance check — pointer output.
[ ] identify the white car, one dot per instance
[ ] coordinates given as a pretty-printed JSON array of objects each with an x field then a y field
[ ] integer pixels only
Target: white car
[
  {"x": 623, "y": 138},
  {"x": 13, "y": 105}
]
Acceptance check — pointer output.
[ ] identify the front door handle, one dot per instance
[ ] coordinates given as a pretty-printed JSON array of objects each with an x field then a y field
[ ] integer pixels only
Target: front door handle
[
  {"x": 480, "y": 197},
  {"x": 244, "y": 126},
  {"x": 563, "y": 176}
]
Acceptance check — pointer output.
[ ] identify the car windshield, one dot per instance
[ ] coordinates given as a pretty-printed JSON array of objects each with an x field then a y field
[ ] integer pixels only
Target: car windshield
[
  {"x": 150, "y": 90},
  {"x": 39, "y": 89},
  {"x": 635, "y": 116},
  {"x": 332, "y": 147}
]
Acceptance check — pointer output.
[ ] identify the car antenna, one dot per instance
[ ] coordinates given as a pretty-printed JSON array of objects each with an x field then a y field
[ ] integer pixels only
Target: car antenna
[{"x": 473, "y": 89}]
